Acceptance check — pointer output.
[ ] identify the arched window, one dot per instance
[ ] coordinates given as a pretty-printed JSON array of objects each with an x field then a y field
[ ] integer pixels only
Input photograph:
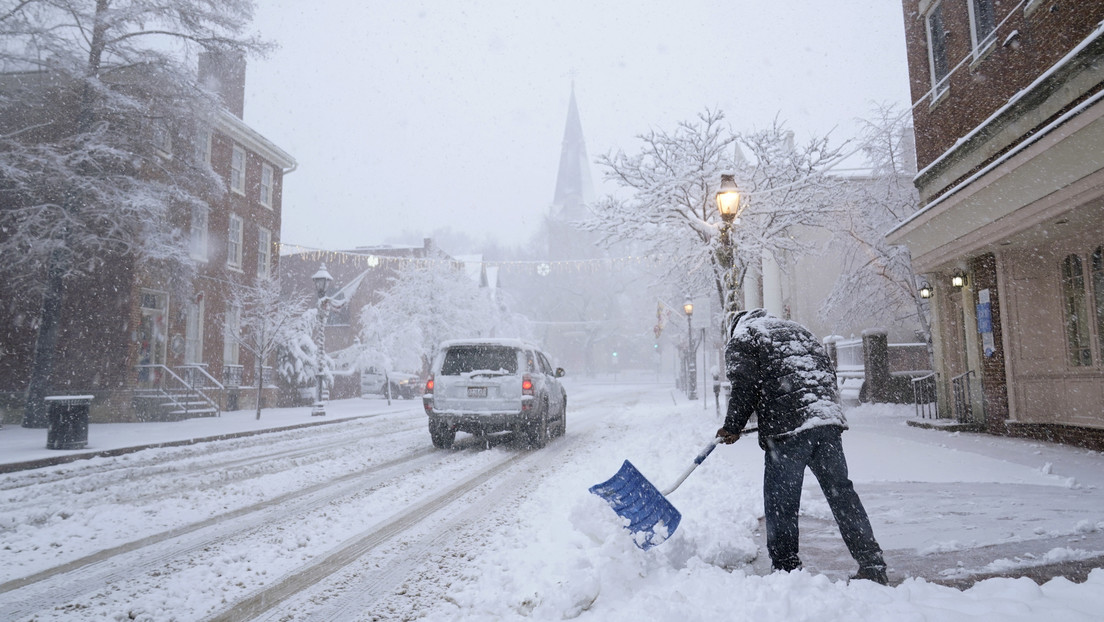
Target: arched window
[{"x": 1076, "y": 309}]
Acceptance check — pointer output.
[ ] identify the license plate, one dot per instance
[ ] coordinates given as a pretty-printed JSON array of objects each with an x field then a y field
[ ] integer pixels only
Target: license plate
[{"x": 477, "y": 391}]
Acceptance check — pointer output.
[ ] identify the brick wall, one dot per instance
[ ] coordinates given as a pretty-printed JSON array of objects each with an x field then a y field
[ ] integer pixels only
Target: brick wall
[{"x": 980, "y": 87}]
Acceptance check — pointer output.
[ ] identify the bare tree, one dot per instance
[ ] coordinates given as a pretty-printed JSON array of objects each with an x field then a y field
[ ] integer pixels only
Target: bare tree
[
  {"x": 269, "y": 320},
  {"x": 90, "y": 90},
  {"x": 877, "y": 280}
]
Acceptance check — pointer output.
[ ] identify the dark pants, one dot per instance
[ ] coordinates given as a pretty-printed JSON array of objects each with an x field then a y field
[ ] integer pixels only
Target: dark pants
[{"x": 820, "y": 449}]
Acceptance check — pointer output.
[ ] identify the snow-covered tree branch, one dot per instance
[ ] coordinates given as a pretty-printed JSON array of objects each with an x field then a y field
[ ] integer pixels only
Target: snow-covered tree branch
[
  {"x": 671, "y": 212},
  {"x": 424, "y": 306},
  {"x": 85, "y": 86},
  {"x": 877, "y": 278},
  {"x": 269, "y": 320}
]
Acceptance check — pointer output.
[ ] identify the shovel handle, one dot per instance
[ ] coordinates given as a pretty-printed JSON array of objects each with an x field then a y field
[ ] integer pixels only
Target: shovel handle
[{"x": 698, "y": 460}]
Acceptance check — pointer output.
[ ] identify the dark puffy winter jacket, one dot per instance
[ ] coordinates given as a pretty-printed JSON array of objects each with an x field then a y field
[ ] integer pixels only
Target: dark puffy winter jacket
[{"x": 780, "y": 372}]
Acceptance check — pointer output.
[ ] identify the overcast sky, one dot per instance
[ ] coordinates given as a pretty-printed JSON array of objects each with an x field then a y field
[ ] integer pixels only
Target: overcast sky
[{"x": 410, "y": 116}]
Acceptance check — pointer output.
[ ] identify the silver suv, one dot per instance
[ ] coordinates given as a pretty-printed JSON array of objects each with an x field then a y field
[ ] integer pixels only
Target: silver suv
[{"x": 482, "y": 386}]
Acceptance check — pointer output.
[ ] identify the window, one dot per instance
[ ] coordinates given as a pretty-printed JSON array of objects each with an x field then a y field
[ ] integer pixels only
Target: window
[
  {"x": 546, "y": 367},
  {"x": 264, "y": 253},
  {"x": 199, "y": 232},
  {"x": 234, "y": 242},
  {"x": 1075, "y": 305},
  {"x": 162, "y": 138},
  {"x": 203, "y": 146},
  {"x": 982, "y": 25},
  {"x": 237, "y": 170},
  {"x": 937, "y": 51},
  {"x": 266, "y": 185},
  {"x": 492, "y": 359},
  {"x": 230, "y": 350}
]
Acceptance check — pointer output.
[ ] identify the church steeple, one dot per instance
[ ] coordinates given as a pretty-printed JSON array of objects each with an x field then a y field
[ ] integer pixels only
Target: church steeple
[{"x": 574, "y": 187}]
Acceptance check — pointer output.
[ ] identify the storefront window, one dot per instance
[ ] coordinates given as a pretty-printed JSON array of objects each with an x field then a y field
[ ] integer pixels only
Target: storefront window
[{"x": 1076, "y": 308}]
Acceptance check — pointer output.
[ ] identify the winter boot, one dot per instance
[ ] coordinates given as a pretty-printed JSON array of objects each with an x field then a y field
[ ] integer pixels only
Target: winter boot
[{"x": 876, "y": 574}]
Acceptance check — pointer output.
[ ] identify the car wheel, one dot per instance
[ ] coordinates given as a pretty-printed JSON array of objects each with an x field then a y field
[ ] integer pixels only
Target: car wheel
[
  {"x": 562, "y": 428},
  {"x": 539, "y": 433},
  {"x": 442, "y": 435}
]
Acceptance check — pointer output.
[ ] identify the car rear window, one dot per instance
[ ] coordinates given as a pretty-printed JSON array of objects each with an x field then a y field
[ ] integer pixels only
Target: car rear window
[{"x": 466, "y": 359}]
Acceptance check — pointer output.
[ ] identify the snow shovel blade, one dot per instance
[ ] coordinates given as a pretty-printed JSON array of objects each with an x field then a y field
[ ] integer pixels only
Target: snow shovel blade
[{"x": 652, "y": 518}]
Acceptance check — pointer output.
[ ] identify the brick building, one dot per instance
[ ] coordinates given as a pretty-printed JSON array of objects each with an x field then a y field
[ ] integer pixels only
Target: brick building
[
  {"x": 143, "y": 341},
  {"x": 1009, "y": 124}
]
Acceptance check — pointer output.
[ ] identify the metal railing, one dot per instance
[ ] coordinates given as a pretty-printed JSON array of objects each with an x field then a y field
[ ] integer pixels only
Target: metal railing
[
  {"x": 183, "y": 397},
  {"x": 963, "y": 408},
  {"x": 196, "y": 375},
  {"x": 232, "y": 375},
  {"x": 924, "y": 395}
]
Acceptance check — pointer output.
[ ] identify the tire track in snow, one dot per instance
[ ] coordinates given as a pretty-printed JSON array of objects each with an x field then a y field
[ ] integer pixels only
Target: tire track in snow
[
  {"x": 69, "y": 581},
  {"x": 375, "y": 586},
  {"x": 361, "y": 589},
  {"x": 263, "y": 600}
]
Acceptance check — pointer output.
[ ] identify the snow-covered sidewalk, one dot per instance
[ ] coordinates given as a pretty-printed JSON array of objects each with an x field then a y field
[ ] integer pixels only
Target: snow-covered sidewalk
[{"x": 26, "y": 447}]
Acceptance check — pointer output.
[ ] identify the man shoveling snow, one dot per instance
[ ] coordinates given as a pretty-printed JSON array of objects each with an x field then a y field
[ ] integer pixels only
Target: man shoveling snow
[{"x": 781, "y": 373}]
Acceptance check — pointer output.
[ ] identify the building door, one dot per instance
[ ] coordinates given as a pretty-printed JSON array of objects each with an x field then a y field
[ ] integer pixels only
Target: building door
[
  {"x": 957, "y": 359},
  {"x": 151, "y": 336}
]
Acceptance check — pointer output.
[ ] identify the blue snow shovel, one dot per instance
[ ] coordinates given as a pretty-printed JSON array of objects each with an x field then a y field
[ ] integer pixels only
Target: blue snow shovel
[{"x": 652, "y": 518}]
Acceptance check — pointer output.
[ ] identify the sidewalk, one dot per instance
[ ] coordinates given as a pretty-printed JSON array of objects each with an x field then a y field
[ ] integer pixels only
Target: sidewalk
[
  {"x": 823, "y": 552},
  {"x": 25, "y": 448}
]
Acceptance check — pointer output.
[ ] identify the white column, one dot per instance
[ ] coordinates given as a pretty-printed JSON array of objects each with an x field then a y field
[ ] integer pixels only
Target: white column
[
  {"x": 772, "y": 285},
  {"x": 751, "y": 288}
]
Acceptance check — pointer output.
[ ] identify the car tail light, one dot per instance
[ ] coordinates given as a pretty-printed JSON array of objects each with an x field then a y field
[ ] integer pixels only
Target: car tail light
[
  {"x": 526, "y": 390},
  {"x": 427, "y": 397}
]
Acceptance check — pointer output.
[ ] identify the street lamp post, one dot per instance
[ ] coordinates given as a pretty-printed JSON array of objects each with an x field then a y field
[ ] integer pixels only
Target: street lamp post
[
  {"x": 322, "y": 280},
  {"x": 691, "y": 353},
  {"x": 729, "y": 206}
]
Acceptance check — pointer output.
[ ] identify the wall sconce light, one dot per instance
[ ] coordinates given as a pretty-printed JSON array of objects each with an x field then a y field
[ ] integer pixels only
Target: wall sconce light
[
  {"x": 958, "y": 279},
  {"x": 925, "y": 290}
]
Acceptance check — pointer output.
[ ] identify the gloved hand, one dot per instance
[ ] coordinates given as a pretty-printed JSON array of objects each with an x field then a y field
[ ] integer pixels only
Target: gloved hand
[{"x": 726, "y": 437}]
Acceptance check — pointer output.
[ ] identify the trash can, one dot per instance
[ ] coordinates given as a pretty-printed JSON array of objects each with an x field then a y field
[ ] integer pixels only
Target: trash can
[{"x": 67, "y": 417}]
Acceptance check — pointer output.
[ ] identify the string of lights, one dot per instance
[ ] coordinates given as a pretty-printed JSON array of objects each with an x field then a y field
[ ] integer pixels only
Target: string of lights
[{"x": 367, "y": 259}]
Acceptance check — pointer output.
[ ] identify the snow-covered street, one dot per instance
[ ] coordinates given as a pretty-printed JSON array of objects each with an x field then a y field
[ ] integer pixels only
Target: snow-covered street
[{"x": 363, "y": 520}]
